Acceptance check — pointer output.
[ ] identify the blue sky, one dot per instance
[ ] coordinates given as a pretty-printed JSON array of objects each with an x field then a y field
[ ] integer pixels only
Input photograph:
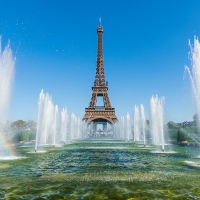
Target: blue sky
[{"x": 145, "y": 50}]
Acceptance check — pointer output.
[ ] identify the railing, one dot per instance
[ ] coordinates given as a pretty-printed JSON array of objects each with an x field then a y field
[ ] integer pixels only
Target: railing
[{"x": 99, "y": 108}]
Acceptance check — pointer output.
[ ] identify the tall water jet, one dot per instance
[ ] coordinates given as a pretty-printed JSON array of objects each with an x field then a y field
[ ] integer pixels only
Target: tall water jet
[
  {"x": 128, "y": 127},
  {"x": 55, "y": 125},
  {"x": 39, "y": 118},
  {"x": 73, "y": 126},
  {"x": 122, "y": 127},
  {"x": 64, "y": 121},
  {"x": 194, "y": 74},
  {"x": 79, "y": 128},
  {"x": 157, "y": 121},
  {"x": 84, "y": 129},
  {"x": 139, "y": 122},
  {"x": 46, "y": 124},
  {"x": 47, "y": 119},
  {"x": 136, "y": 123},
  {"x": 116, "y": 127},
  {"x": 143, "y": 123},
  {"x": 7, "y": 63}
]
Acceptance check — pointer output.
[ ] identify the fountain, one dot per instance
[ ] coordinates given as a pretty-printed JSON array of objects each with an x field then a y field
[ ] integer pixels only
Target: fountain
[
  {"x": 47, "y": 121},
  {"x": 139, "y": 122},
  {"x": 117, "y": 130},
  {"x": 7, "y": 63},
  {"x": 136, "y": 123},
  {"x": 119, "y": 170},
  {"x": 157, "y": 121},
  {"x": 143, "y": 123},
  {"x": 128, "y": 127},
  {"x": 73, "y": 127},
  {"x": 55, "y": 125},
  {"x": 122, "y": 127},
  {"x": 194, "y": 74},
  {"x": 79, "y": 128},
  {"x": 64, "y": 125},
  {"x": 49, "y": 130}
]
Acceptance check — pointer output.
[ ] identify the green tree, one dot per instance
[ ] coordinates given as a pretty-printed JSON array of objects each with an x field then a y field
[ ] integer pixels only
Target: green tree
[
  {"x": 19, "y": 123},
  {"x": 171, "y": 125},
  {"x": 180, "y": 136},
  {"x": 24, "y": 135}
]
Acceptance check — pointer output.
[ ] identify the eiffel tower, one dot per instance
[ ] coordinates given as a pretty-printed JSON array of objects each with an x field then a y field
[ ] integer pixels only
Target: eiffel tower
[{"x": 95, "y": 115}]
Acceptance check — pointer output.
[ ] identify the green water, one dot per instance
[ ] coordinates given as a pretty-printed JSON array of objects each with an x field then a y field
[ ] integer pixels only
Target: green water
[{"x": 101, "y": 170}]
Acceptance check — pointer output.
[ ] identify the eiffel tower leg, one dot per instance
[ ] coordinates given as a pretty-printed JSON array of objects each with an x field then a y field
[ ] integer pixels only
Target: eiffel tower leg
[
  {"x": 93, "y": 101},
  {"x": 106, "y": 100}
]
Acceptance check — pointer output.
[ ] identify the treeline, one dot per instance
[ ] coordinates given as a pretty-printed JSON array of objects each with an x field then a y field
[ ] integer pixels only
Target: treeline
[{"x": 187, "y": 132}]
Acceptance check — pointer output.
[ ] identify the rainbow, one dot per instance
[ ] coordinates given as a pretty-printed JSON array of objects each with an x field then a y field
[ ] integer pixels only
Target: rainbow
[{"x": 6, "y": 149}]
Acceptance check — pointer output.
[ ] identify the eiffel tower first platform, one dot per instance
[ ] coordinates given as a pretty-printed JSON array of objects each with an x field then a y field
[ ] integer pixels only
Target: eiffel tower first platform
[{"x": 95, "y": 115}]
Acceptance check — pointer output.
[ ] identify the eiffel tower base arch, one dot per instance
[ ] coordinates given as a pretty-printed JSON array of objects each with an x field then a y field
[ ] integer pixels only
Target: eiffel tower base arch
[{"x": 100, "y": 128}]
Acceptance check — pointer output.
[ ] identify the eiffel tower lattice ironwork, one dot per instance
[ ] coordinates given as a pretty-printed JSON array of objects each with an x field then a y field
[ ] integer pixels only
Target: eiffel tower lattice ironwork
[{"x": 100, "y": 113}]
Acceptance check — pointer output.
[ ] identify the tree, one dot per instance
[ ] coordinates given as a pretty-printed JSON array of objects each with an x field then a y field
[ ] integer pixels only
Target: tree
[
  {"x": 171, "y": 125},
  {"x": 19, "y": 123},
  {"x": 24, "y": 135},
  {"x": 181, "y": 136}
]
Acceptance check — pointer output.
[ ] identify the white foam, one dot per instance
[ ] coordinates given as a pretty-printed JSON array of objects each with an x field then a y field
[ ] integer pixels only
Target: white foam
[
  {"x": 164, "y": 152},
  {"x": 38, "y": 151},
  {"x": 10, "y": 157},
  {"x": 192, "y": 164}
]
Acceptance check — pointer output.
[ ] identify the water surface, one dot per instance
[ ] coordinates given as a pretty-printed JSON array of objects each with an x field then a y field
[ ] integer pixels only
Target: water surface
[{"x": 101, "y": 169}]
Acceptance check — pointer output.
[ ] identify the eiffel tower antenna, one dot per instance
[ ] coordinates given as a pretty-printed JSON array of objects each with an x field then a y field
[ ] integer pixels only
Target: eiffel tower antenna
[{"x": 99, "y": 21}]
